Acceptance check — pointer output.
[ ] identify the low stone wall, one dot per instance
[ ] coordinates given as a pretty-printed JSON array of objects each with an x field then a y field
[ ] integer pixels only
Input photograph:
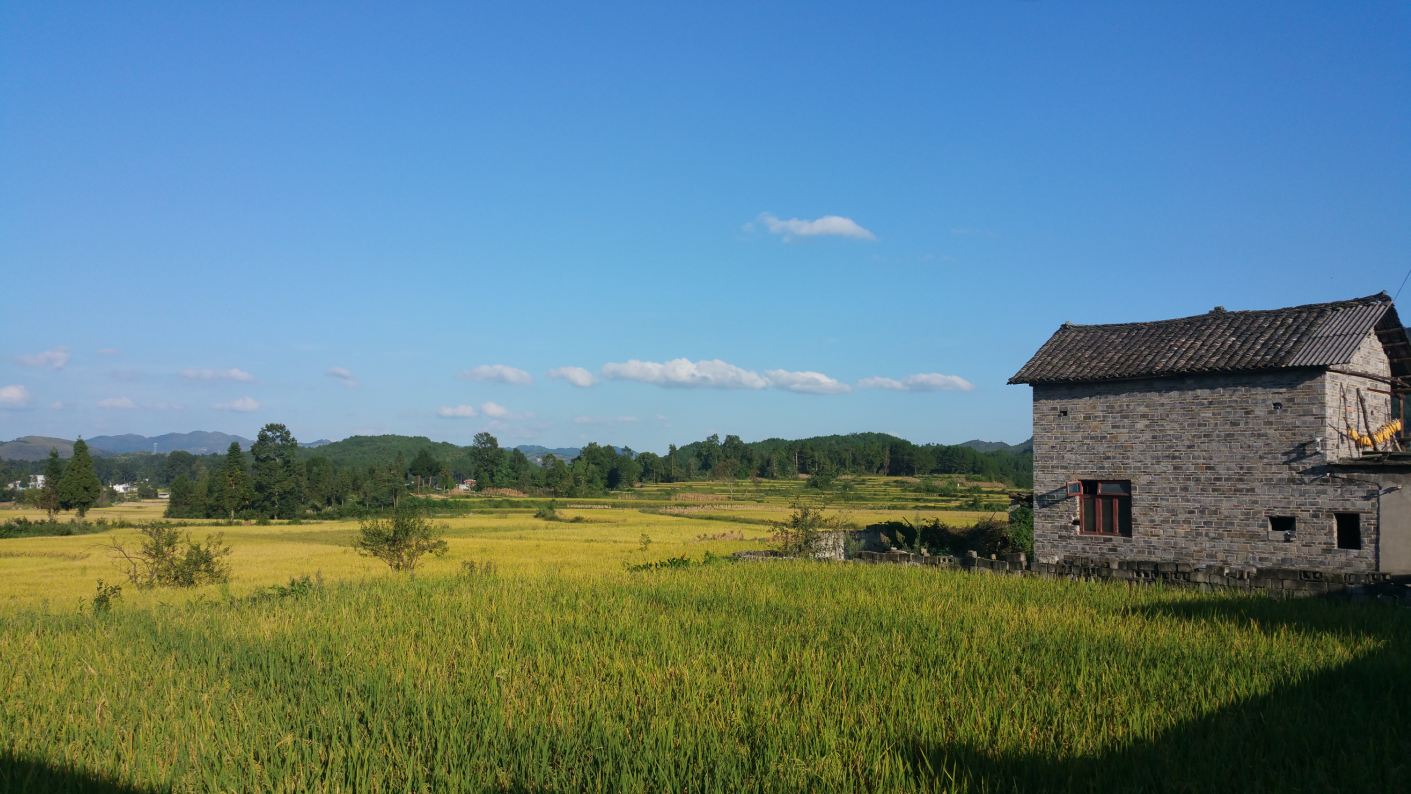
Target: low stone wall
[{"x": 1282, "y": 582}]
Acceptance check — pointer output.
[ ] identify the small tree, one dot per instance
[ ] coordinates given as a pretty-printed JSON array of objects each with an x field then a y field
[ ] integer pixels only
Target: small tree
[
  {"x": 53, "y": 474},
  {"x": 803, "y": 533},
  {"x": 160, "y": 560},
  {"x": 399, "y": 541}
]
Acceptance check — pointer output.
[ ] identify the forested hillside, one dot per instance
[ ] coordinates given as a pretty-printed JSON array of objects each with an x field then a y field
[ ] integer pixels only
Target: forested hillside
[{"x": 856, "y": 453}]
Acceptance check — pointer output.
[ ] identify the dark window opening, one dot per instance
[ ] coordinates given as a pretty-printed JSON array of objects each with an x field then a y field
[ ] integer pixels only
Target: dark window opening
[
  {"x": 1278, "y": 406},
  {"x": 1349, "y": 530},
  {"x": 1063, "y": 412},
  {"x": 1282, "y": 524},
  {"x": 1106, "y": 508}
]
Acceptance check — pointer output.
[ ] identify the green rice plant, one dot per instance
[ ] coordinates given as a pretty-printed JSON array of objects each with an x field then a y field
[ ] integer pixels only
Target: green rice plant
[{"x": 757, "y": 677}]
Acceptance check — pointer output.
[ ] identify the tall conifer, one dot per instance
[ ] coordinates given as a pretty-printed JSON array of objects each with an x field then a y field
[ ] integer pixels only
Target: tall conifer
[{"x": 79, "y": 488}]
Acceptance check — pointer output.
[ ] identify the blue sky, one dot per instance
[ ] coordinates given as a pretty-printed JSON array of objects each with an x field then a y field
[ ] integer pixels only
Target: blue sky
[{"x": 832, "y": 218}]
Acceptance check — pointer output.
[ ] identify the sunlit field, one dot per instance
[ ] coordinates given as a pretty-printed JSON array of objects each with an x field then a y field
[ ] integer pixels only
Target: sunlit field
[
  {"x": 53, "y": 572},
  {"x": 561, "y": 669}
]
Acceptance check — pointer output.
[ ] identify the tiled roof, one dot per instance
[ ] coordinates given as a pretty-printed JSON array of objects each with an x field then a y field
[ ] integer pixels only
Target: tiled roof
[{"x": 1316, "y": 335}]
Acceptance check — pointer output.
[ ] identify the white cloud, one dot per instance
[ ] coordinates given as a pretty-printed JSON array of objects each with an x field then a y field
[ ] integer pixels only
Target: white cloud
[
  {"x": 500, "y": 412},
  {"x": 926, "y": 381},
  {"x": 459, "y": 412},
  {"x": 218, "y": 374},
  {"x": 499, "y": 372},
  {"x": 578, "y": 376},
  {"x": 107, "y": 351},
  {"x": 117, "y": 402},
  {"x": 827, "y": 225},
  {"x": 344, "y": 375},
  {"x": 14, "y": 397},
  {"x": 55, "y": 357},
  {"x": 57, "y": 406},
  {"x": 243, "y": 405},
  {"x": 806, "y": 382},
  {"x": 684, "y": 374},
  {"x": 664, "y": 421}
]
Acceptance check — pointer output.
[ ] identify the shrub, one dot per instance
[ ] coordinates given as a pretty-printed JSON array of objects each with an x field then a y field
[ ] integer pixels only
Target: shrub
[
  {"x": 400, "y": 541},
  {"x": 160, "y": 560},
  {"x": 106, "y": 597},
  {"x": 801, "y": 535}
]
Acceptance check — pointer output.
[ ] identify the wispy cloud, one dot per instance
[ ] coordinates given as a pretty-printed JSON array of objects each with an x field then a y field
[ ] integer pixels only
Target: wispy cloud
[
  {"x": 578, "y": 376},
  {"x": 14, "y": 397},
  {"x": 107, "y": 351},
  {"x": 243, "y": 405},
  {"x": 828, "y": 225},
  {"x": 805, "y": 382},
  {"x": 458, "y": 412},
  {"x": 682, "y": 373},
  {"x": 498, "y": 411},
  {"x": 117, "y": 402},
  {"x": 344, "y": 375},
  {"x": 927, "y": 381},
  {"x": 500, "y": 373},
  {"x": 664, "y": 421},
  {"x": 55, "y": 357},
  {"x": 237, "y": 375},
  {"x": 598, "y": 420}
]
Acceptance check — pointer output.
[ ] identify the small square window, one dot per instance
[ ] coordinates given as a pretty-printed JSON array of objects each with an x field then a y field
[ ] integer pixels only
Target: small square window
[
  {"x": 1282, "y": 524},
  {"x": 1349, "y": 530},
  {"x": 1063, "y": 412}
]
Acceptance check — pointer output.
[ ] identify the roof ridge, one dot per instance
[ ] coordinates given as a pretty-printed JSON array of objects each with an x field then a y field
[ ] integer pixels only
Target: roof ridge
[{"x": 1380, "y": 297}]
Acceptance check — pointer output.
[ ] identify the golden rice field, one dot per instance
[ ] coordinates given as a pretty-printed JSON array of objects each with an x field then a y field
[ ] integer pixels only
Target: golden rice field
[{"x": 562, "y": 671}]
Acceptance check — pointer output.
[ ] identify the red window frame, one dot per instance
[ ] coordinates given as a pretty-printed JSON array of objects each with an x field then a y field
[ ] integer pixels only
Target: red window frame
[{"x": 1106, "y": 508}]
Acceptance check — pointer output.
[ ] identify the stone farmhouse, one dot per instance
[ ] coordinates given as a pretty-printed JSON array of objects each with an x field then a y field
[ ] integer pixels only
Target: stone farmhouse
[{"x": 1242, "y": 439}]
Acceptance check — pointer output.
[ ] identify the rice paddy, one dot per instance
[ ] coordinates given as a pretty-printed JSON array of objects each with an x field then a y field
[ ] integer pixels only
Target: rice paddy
[{"x": 562, "y": 671}]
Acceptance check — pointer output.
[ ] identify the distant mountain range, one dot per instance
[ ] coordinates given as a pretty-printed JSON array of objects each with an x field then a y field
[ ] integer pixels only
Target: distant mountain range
[
  {"x": 200, "y": 442},
  {"x": 535, "y": 452},
  {"x": 993, "y": 446}
]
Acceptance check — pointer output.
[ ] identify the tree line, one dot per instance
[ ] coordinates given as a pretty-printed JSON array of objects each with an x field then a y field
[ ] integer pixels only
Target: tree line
[
  {"x": 856, "y": 453},
  {"x": 276, "y": 478}
]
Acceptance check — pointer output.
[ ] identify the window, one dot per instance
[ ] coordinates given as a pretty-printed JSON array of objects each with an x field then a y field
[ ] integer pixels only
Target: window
[
  {"x": 1282, "y": 524},
  {"x": 1349, "y": 530},
  {"x": 1107, "y": 508}
]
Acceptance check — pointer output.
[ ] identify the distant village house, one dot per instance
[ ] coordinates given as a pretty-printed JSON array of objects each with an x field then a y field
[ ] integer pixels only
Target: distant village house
[{"x": 1246, "y": 439}]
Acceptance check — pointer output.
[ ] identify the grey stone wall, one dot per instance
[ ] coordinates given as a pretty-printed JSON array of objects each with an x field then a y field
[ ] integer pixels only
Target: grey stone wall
[{"x": 1210, "y": 458}]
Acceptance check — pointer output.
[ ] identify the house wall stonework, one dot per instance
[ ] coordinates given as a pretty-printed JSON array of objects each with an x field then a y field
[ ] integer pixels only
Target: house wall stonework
[
  {"x": 1210, "y": 459},
  {"x": 1344, "y": 408}
]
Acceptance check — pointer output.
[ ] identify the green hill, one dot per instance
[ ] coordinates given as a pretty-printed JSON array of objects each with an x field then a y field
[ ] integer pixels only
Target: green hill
[
  {"x": 362, "y": 450},
  {"x": 37, "y": 448}
]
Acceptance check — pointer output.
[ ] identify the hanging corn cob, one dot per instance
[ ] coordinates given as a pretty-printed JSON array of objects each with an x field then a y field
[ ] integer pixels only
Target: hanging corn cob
[{"x": 1383, "y": 434}]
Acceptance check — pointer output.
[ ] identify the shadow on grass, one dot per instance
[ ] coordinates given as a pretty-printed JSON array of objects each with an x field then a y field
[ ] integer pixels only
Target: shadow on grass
[
  {"x": 18, "y": 773},
  {"x": 1342, "y": 730}
]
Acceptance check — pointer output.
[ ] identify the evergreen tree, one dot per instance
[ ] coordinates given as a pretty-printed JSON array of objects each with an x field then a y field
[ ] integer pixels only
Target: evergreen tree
[
  {"x": 229, "y": 491},
  {"x": 179, "y": 501},
  {"x": 279, "y": 487},
  {"x": 53, "y": 473},
  {"x": 79, "y": 488}
]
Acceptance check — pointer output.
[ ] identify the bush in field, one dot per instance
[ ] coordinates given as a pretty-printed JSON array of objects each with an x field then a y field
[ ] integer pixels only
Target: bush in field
[
  {"x": 802, "y": 534},
  {"x": 1020, "y": 532},
  {"x": 399, "y": 541},
  {"x": 167, "y": 557},
  {"x": 106, "y": 596}
]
